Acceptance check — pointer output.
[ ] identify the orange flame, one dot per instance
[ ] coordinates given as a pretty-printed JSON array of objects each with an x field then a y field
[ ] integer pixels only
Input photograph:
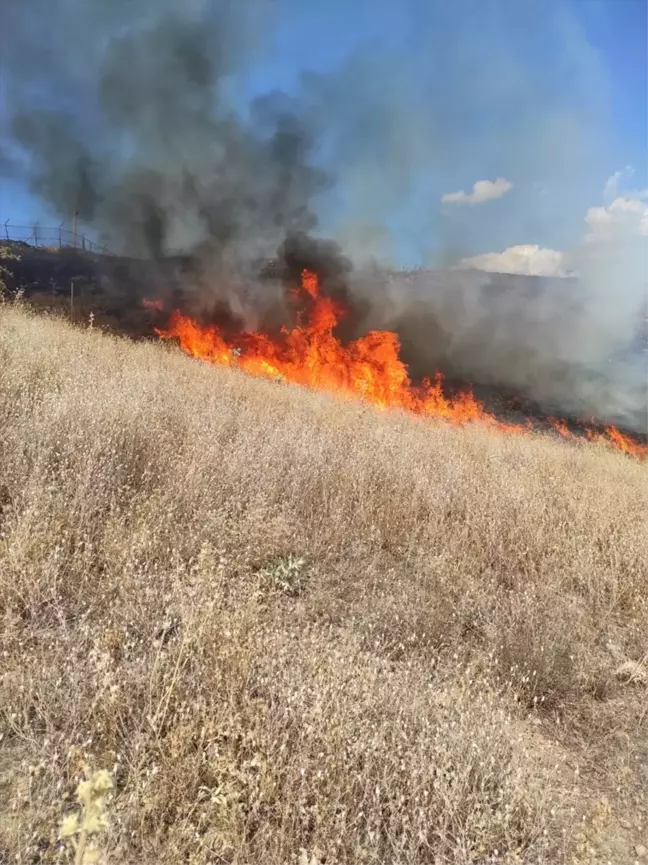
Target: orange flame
[
  {"x": 153, "y": 305},
  {"x": 369, "y": 368},
  {"x": 612, "y": 436}
]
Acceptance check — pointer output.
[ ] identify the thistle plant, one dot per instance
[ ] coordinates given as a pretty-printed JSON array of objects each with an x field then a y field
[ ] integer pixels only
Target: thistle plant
[
  {"x": 76, "y": 830},
  {"x": 6, "y": 255}
]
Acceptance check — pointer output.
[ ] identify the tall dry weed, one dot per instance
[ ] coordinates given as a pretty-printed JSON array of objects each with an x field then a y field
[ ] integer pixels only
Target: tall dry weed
[{"x": 292, "y": 627}]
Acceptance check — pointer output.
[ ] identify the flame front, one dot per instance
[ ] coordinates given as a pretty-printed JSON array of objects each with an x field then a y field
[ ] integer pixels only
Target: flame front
[
  {"x": 309, "y": 354},
  {"x": 369, "y": 368}
]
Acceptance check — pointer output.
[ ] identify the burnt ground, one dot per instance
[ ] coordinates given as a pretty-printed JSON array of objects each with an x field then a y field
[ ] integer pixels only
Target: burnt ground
[{"x": 78, "y": 284}]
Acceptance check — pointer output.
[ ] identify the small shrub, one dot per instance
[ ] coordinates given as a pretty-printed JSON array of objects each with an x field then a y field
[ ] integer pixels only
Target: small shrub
[
  {"x": 80, "y": 831},
  {"x": 286, "y": 575}
]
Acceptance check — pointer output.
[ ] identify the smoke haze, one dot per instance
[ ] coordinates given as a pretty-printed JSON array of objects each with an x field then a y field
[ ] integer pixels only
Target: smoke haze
[{"x": 130, "y": 113}]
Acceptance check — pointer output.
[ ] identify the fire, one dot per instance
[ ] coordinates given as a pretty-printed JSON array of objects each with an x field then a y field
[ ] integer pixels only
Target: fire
[
  {"x": 612, "y": 436},
  {"x": 368, "y": 369},
  {"x": 153, "y": 305},
  {"x": 310, "y": 355}
]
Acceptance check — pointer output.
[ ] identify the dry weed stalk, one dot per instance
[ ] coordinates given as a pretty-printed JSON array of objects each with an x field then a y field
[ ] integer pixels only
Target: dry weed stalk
[
  {"x": 294, "y": 629},
  {"x": 79, "y": 831}
]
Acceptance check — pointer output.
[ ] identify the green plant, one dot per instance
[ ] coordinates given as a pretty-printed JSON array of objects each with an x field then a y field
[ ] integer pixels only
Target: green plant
[{"x": 286, "y": 575}]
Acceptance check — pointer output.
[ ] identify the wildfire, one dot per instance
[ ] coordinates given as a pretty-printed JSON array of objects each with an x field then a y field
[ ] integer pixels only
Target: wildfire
[
  {"x": 153, "y": 305},
  {"x": 368, "y": 369}
]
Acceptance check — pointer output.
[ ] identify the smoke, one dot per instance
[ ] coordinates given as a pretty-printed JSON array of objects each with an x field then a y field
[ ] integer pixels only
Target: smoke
[
  {"x": 136, "y": 133},
  {"x": 129, "y": 113},
  {"x": 520, "y": 335}
]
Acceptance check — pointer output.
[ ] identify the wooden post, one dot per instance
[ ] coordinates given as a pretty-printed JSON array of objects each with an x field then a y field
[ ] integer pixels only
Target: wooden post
[{"x": 72, "y": 299}]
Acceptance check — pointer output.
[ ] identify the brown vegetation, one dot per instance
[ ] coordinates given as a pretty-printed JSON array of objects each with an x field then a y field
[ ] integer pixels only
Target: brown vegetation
[{"x": 297, "y": 630}]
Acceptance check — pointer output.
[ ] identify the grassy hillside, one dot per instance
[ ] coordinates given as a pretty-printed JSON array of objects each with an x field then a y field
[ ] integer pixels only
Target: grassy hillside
[{"x": 299, "y": 631}]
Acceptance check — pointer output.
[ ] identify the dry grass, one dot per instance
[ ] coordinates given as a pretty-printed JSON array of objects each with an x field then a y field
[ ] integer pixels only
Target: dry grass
[{"x": 295, "y": 630}]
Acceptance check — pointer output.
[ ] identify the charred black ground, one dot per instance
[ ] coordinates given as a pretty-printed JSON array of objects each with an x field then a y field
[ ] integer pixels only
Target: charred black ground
[{"x": 113, "y": 288}]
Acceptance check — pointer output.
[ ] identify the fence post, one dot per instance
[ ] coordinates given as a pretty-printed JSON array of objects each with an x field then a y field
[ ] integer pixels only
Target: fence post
[
  {"x": 20, "y": 231},
  {"x": 72, "y": 299}
]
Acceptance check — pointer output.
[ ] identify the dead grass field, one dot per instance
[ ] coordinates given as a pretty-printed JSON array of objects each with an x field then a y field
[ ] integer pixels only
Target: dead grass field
[{"x": 296, "y": 630}]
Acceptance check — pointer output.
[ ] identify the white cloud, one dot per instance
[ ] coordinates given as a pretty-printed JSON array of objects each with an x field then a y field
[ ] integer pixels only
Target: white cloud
[
  {"x": 525, "y": 259},
  {"x": 622, "y": 216},
  {"x": 611, "y": 188},
  {"x": 618, "y": 224},
  {"x": 625, "y": 217},
  {"x": 483, "y": 190}
]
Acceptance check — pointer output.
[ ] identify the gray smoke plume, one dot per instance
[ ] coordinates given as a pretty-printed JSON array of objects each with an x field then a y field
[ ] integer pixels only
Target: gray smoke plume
[
  {"x": 135, "y": 132},
  {"x": 529, "y": 336},
  {"x": 123, "y": 111}
]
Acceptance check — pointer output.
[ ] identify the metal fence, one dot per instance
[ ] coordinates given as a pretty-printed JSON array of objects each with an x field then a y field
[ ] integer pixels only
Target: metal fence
[{"x": 52, "y": 237}]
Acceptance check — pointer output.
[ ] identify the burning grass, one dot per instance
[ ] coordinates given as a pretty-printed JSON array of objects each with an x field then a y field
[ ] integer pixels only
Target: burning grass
[
  {"x": 369, "y": 368},
  {"x": 296, "y": 630}
]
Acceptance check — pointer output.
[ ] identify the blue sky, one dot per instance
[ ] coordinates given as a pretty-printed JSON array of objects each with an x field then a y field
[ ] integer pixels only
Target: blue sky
[{"x": 420, "y": 98}]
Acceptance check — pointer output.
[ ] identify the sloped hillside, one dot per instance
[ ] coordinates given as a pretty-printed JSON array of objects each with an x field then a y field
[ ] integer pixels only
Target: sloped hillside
[{"x": 297, "y": 630}]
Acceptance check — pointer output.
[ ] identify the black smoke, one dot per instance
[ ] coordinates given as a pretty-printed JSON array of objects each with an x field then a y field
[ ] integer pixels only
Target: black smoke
[
  {"x": 138, "y": 135},
  {"x": 123, "y": 112}
]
